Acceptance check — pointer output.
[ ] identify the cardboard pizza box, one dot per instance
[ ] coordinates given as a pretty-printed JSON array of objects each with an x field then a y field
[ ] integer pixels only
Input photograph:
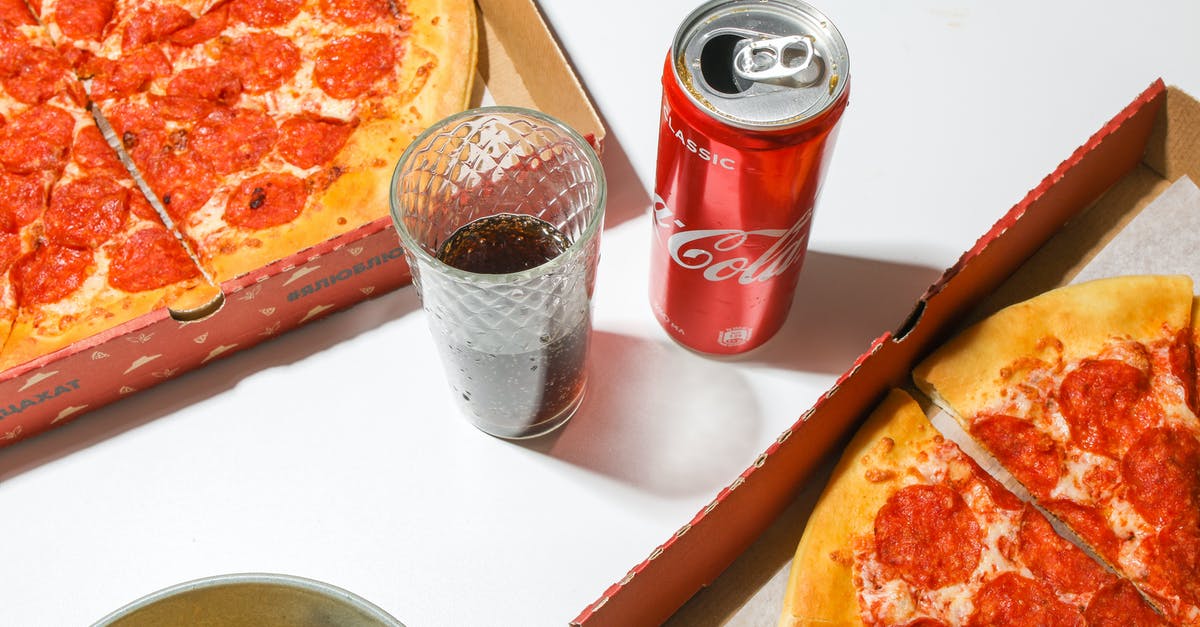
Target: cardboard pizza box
[
  {"x": 520, "y": 64},
  {"x": 744, "y": 539}
]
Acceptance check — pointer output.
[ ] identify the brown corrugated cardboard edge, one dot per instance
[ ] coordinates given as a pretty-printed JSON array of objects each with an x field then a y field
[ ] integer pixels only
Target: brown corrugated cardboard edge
[
  {"x": 700, "y": 550},
  {"x": 520, "y": 63},
  {"x": 515, "y": 35}
]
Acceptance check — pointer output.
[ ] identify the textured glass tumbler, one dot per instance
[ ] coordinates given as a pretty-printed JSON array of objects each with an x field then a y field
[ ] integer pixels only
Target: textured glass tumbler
[{"x": 514, "y": 345}]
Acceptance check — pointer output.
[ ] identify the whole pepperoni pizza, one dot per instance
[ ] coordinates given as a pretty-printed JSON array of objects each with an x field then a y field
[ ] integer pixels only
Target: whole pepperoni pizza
[
  {"x": 244, "y": 131},
  {"x": 1087, "y": 396}
]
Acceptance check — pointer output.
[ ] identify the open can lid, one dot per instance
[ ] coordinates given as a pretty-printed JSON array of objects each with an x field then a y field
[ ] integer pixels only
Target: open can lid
[{"x": 760, "y": 64}]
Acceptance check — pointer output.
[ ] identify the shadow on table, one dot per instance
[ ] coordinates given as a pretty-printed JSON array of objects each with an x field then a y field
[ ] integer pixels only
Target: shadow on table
[
  {"x": 658, "y": 418},
  {"x": 841, "y": 305},
  {"x": 162, "y": 400},
  {"x": 627, "y": 196}
]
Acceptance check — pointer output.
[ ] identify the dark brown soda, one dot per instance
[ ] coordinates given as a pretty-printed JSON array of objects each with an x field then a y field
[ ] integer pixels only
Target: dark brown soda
[
  {"x": 502, "y": 243},
  {"x": 511, "y": 393}
]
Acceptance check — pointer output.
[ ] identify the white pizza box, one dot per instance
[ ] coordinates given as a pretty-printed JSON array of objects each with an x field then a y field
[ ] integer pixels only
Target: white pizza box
[
  {"x": 733, "y": 556},
  {"x": 520, "y": 64}
]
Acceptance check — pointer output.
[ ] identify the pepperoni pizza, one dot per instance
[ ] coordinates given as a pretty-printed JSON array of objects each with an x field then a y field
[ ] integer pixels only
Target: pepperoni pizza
[
  {"x": 257, "y": 128},
  {"x": 911, "y": 531},
  {"x": 1087, "y": 395}
]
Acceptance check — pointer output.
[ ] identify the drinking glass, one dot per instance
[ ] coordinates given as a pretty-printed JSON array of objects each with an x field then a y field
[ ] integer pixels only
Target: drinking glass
[{"x": 512, "y": 331}]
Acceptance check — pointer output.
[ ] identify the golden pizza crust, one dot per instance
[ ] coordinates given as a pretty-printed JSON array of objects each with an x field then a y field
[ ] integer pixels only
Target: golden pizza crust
[
  {"x": 434, "y": 81},
  {"x": 820, "y": 587},
  {"x": 40, "y": 331},
  {"x": 967, "y": 373}
]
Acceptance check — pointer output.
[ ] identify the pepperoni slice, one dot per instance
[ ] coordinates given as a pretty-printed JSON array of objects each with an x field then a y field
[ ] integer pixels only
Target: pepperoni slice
[
  {"x": 86, "y": 212},
  {"x": 234, "y": 139},
  {"x": 10, "y": 249},
  {"x": 266, "y": 200},
  {"x": 1119, "y": 605},
  {"x": 36, "y": 139},
  {"x": 928, "y": 534},
  {"x": 152, "y": 23},
  {"x": 140, "y": 207},
  {"x": 149, "y": 259},
  {"x": 181, "y": 108},
  {"x": 215, "y": 83},
  {"x": 205, "y": 27},
  {"x": 184, "y": 199},
  {"x": 83, "y": 19},
  {"x": 10, "y": 36},
  {"x": 263, "y": 60},
  {"x": 965, "y": 475},
  {"x": 1161, "y": 473},
  {"x": 24, "y": 200},
  {"x": 1183, "y": 366},
  {"x": 1098, "y": 399},
  {"x": 1011, "y": 599},
  {"x": 1176, "y": 554},
  {"x": 93, "y": 153},
  {"x": 183, "y": 183},
  {"x": 1031, "y": 455},
  {"x": 354, "y": 12},
  {"x": 307, "y": 142},
  {"x": 141, "y": 130},
  {"x": 127, "y": 76},
  {"x": 1089, "y": 523},
  {"x": 925, "y": 621},
  {"x": 265, "y": 12},
  {"x": 49, "y": 274},
  {"x": 1054, "y": 560},
  {"x": 351, "y": 65},
  {"x": 37, "y": 75},
  {"x": 15, "y": 12}
]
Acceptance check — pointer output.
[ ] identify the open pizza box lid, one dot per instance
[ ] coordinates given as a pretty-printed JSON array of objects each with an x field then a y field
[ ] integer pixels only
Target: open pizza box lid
[{"x": 736, "y": 550}]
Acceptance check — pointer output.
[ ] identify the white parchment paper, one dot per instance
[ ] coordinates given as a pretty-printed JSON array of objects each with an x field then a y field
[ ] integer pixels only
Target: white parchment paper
[{"x": 1150, "y": 243}]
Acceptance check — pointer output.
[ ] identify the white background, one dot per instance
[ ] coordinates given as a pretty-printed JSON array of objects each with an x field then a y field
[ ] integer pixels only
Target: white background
[{"x": 335, "y": 452}]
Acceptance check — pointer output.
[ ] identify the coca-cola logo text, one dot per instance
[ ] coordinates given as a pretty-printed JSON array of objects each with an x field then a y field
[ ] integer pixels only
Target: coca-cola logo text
[{"x": 723, "y": 254}]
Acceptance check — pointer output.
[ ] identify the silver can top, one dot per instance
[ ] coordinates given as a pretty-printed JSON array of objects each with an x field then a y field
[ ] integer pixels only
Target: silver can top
[{"x": 760, "y": 64}]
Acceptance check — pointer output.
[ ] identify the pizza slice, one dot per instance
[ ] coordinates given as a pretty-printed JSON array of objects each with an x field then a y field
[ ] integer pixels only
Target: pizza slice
[
  {"x": 83, "y": 252},
  {"x": 911, "y": 531},
  {"x": 1086, "y": 394},
  {"x": 265, "y": 127}
]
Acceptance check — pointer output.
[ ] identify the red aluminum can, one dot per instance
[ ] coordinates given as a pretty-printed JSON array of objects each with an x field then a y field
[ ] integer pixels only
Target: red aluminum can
[{"x": 753, "y": 91}]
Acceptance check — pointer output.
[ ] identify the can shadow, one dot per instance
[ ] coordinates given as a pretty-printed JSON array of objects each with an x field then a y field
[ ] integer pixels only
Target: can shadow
[
  {"x": 190, "y": 388},
  {"x": 662, "y": 420},
  {"x": 841, "y": 305}
]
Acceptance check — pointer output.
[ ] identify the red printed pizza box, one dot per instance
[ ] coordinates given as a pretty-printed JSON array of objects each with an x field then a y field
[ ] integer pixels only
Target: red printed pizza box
[
  {"x": 519, "y": 63},
  {"x": 1150, "y": 144}
]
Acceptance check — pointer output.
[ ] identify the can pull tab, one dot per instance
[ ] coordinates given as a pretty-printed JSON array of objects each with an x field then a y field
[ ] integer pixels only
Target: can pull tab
[{"x": 780, "y": 58}]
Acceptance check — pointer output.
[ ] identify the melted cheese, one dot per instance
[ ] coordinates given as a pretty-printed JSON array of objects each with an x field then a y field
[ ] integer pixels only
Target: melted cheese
[{"x": 892, "y": 602}]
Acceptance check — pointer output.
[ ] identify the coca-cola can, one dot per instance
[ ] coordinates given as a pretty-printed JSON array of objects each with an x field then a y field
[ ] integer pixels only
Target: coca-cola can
[{"x": 753, "y": 91}]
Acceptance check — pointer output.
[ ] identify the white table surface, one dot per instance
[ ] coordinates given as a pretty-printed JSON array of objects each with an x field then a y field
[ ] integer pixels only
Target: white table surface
[{"x": 335, "y": 452}]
